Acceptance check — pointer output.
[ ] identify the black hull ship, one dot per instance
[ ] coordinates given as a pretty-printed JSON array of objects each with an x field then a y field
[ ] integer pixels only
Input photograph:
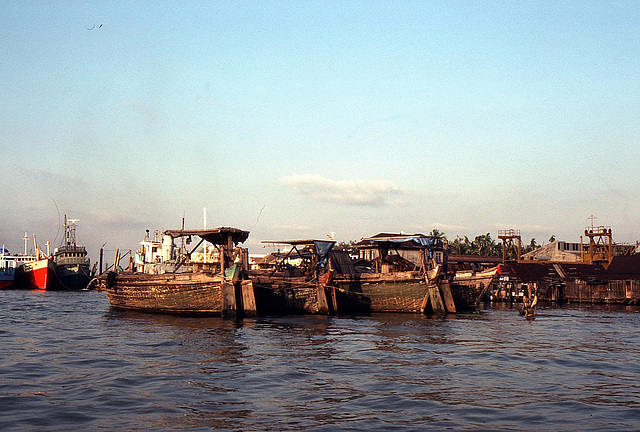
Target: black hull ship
[{"x": 67, "y": 269}]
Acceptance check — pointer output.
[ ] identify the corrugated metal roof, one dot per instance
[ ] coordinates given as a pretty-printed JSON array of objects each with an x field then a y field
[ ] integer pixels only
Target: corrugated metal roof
[
  {"x": 550, "y": 272},
  {"x": 625, "y": 267},
  {"x": 215, "y": 236},
  {"x": 475, "y": 259}
]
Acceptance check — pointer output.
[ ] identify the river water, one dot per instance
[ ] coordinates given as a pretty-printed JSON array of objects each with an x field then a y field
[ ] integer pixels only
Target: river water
[{"x": 70, "y": 362}]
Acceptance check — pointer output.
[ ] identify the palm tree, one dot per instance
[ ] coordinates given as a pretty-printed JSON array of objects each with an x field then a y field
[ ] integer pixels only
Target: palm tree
[
  {"x": 531, "y": 246},
  {"x": 437, "y": 233},
  {"x": 484, "y": 245},
  {"x": 461, "y": 246}
]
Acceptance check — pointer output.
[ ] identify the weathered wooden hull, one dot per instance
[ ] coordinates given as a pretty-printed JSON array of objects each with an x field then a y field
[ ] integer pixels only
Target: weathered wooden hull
[
  {"x": 181, "y": 293},
  {"x": 390, "y": 294},
  {"x": 468, "y": 291},
  {"x": 277, "y": 297},
  {"x": 346, "y": 302}
]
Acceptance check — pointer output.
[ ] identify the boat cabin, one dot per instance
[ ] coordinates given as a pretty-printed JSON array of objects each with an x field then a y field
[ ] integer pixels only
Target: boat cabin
[
  {"x": 155, "y": 254},
  {"x": 160, "y": 254},
  {"x": 223, "y": 239},
  {"x": 300, "y": 257},
  {"x": 69, "y": 253},
  {"x": 388, "y": 253}
]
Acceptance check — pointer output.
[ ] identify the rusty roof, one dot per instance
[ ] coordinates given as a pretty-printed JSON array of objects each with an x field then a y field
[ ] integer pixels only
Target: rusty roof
[
  {"x": 474, "y": 259},
  {"x": 551, "y": 272},
  {"x": 305, "y": 242},
  {"x": 216, "y": 235},
  {"x": 624, "y": 267}
]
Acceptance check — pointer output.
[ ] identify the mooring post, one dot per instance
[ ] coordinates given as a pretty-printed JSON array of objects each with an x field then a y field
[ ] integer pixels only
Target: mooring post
[
  {"x": 447, "y": 297},
  {"x": 436, "y": 300},
  {"x": 228, "y": 299},
  {"x": 101, "y": 257}
]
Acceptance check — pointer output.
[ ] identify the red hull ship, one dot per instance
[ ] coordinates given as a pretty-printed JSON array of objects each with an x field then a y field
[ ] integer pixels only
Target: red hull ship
[
  {"x": 67, "y": 269},
  {"x": 38, "y": 274}
]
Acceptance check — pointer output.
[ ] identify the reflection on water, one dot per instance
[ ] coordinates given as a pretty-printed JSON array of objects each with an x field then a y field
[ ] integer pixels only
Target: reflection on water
[{"x": 70, "y": 362}]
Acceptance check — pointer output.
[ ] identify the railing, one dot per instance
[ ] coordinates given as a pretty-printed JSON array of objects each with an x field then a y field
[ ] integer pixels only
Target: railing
[
  {"x": 508, "y": 233},
  {"x": 599, "y": 230}
]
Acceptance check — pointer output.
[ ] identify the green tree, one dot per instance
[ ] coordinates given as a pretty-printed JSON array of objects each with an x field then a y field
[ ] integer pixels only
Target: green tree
[
  {"x": 531, "y": 246},
  {"x": 345, "y": 246},
  {"x": 437, "y": 233},
  {"x": 484, "y": 245},
  {"x": 460, "y": 246}
]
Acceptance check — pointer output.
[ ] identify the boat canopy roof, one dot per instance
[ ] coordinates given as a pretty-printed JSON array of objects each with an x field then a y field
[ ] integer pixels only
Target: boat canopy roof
[
  {"x": 298, "y": 242},
  {"x": 322, "y": 247},
  {"x": 216, "y": 235},
  {"x": 404, "y": 240}
]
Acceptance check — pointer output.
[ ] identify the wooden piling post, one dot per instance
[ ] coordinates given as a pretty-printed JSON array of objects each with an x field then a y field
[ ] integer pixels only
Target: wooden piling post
[
  {"x": 248, "y": 299},
  {"x": 436, "y": 300},
  {"x": 447, "y": 297},
  {"x": 323, "y": 304},
  {"x": 101, "y": 258},
  {"x": 228, "y": 299},
  {"x": 334, "y": 300}
]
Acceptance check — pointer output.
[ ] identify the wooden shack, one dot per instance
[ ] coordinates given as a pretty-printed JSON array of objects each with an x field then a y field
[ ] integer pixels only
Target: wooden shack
[{"x": 573, "y": 282}]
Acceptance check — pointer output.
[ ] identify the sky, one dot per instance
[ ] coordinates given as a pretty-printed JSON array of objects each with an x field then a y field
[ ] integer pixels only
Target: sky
[{"x": 302, "y": 119}]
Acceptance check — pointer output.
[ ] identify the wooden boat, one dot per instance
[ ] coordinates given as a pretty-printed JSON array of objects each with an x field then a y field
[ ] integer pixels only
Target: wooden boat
[
  {"x": 300, "y": 282},
  {"x": 288, "y": 296},
  {"x": 395, "y": 292},
  {"x": 393, "y": 283},
  {"x": 179, "y": 293},
  {"x": 468, "y": 288},
  {"x": 192, "y": 288},
  {"x": 408, "y": 274}
]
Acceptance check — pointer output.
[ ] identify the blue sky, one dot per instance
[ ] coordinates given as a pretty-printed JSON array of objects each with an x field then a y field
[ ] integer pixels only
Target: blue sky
[{"x": 299, "y": 118}]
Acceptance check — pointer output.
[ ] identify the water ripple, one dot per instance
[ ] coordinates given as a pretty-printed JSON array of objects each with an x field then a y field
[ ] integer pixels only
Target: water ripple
[{"x": 70, "y": 362}]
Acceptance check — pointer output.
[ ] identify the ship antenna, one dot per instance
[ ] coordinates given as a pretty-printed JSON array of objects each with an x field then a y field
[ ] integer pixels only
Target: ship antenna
[
  {"x": 258, "y": 218},
  {"x": 57, "y": 210}
]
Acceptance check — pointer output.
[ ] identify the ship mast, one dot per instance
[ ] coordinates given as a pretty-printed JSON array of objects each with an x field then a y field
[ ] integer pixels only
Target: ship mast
[{"x": 70, "y": 232}]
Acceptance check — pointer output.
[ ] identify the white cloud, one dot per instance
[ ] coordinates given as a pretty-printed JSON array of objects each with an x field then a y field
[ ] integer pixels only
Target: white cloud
[
  {"x": 50, "y": 177},
  {"x": 346, "y": 192}
]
